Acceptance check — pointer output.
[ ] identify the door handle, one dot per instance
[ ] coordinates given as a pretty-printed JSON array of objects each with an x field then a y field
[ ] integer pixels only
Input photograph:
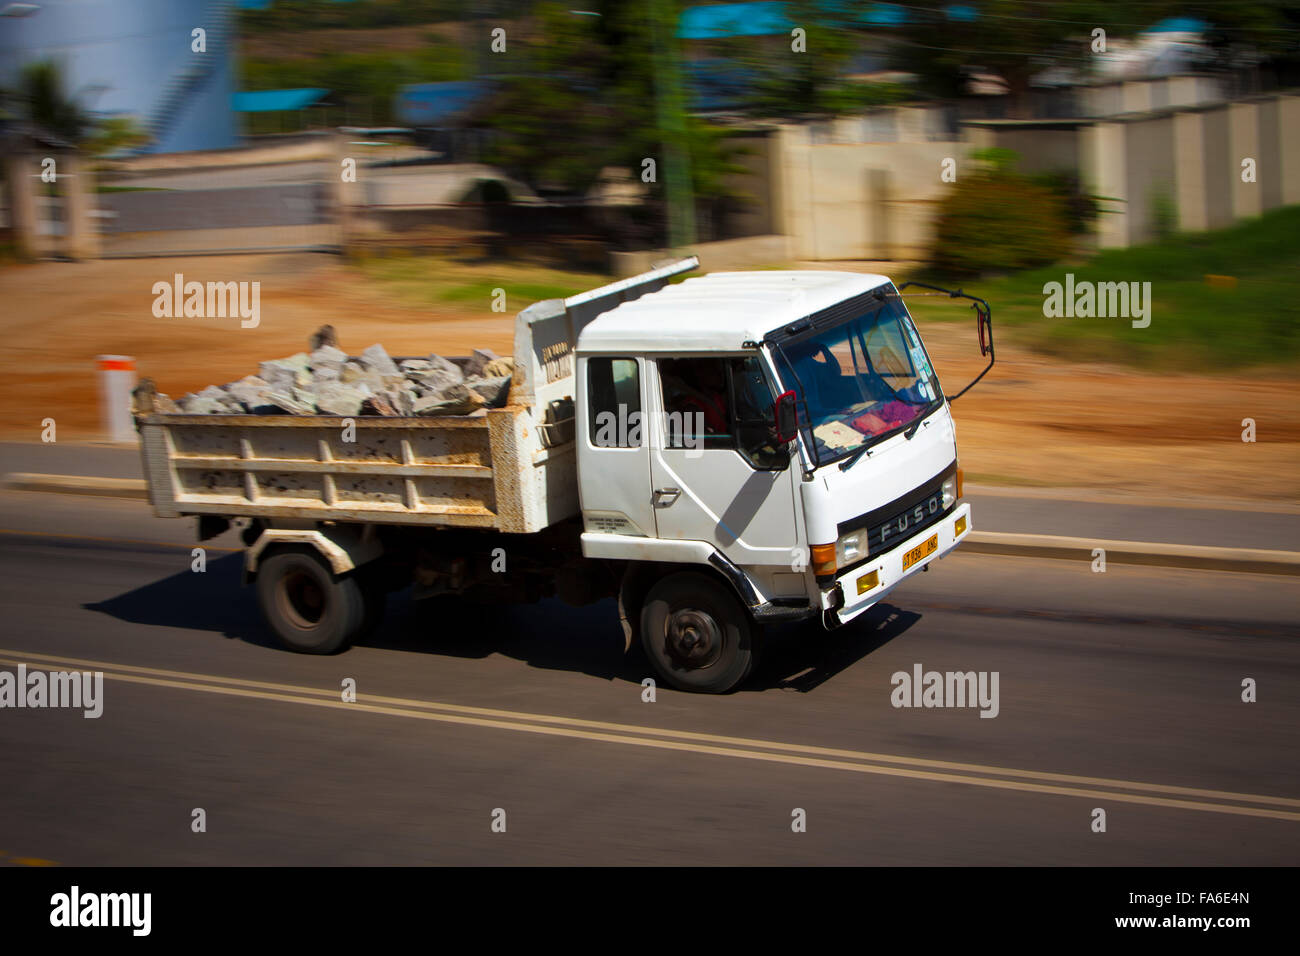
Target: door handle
[{"x": 663, "y": 497}]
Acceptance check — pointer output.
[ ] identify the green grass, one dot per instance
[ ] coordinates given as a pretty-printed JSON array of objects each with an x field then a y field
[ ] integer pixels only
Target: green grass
[
  {"x": 426, "y": 280},
  {"x": 1193, "y": 326}
]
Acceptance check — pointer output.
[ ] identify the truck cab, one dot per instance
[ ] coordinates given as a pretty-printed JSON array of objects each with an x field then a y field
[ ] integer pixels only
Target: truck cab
[{"x": 782, "y": 437}]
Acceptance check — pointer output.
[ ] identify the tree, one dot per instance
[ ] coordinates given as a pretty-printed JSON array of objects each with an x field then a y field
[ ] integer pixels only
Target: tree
[
  {"x": 46, "y": 104},
  {"x": 1013, "y": 39},
  {"x": 584, "y": 90},
  {"x": 115, "y": 134},
  {"x": 802, "y": 70},
  {"x": 1019, "y": 39}
]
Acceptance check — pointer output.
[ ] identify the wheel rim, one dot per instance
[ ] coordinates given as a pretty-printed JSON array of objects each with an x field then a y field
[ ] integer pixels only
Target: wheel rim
[
  {"x": 301, "y": 599},
  {"x": 694, "y": 639}
]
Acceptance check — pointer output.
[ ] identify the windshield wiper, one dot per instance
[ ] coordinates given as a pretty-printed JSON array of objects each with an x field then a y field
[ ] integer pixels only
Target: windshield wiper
[{"x": 863, "y": 449}]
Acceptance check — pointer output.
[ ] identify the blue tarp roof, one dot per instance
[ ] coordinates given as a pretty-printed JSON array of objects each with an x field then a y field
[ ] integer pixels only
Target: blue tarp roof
[
  {"x": 1179, "y": 25},
  {"x": 428, "y": 104},
  {"x": 757, "y": 19},
  {"x": 269, "y": 101},
  {"x": 768, "y": 18}
]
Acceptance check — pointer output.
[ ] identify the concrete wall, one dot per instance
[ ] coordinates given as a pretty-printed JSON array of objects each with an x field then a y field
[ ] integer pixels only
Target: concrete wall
[
  {"x": 1288, "y": 122},
  {"x": 755, "y": 217},
  {"x": 1140, "y": 96},
  {"x": 860, "y": 201},
  {"x": 1043, "y": 145},
  {"x": 1195, "y": 155},
  {"x": 839, "y": 199}
]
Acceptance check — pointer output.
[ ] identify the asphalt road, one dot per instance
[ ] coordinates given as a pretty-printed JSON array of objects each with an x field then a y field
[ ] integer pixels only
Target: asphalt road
[
  {"x": 1119, "y": 691},
  {"x": 1229, "y": 524}
]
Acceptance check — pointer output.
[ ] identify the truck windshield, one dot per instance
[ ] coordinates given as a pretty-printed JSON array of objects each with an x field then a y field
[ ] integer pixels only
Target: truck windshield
[{"x": 859, "y": 381}]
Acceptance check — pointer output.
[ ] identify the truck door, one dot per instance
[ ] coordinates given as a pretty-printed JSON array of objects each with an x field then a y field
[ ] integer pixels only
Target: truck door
[
  {"x": 717, "y": 474},
  {"x": 613, "y": 449}
]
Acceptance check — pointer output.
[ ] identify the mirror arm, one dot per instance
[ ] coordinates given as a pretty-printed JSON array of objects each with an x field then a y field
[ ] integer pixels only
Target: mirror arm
[{"x": 983, "y": 327}]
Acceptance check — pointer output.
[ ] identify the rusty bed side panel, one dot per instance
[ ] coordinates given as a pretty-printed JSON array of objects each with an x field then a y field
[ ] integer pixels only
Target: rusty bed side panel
[{"x": 439, "y": 471}]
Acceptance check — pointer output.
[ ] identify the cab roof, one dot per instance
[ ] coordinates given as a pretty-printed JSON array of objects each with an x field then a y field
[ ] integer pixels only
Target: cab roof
[{"x": 720, "y": 311}]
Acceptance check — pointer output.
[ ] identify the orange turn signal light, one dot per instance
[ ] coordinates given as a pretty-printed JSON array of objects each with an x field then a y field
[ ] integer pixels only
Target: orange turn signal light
[{"x": 823, "y": 559}]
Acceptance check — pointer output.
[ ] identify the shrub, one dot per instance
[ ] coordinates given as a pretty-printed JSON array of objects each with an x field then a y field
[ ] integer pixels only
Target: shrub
[{"x": 998, "y": 221}]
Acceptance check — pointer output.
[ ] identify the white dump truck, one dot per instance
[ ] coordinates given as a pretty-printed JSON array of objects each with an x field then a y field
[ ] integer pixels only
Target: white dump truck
[{"x": 717, "y": 454}]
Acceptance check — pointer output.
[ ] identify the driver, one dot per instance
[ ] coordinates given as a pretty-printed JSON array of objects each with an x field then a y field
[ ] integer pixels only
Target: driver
[{"x": 699, "y": 387}]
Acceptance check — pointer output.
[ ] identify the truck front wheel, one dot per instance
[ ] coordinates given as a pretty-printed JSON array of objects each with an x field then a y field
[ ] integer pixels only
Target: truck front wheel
[
  {"x": 309, "y": 609},
  {"x": 696, "y": 634}
]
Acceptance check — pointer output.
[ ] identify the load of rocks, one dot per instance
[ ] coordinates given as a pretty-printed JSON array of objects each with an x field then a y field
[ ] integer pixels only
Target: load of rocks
[{"x": 328, "y": 381}]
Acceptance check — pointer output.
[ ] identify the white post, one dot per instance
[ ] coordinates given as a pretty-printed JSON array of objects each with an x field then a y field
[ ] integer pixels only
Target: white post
[{"x": 116, "y": 382}]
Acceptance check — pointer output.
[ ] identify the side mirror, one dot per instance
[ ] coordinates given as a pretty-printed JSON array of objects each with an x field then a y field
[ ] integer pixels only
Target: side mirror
[{"x": 785, "y": 417}]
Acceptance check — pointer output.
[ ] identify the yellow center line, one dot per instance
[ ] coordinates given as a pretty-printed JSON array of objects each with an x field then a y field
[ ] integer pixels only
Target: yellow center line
[
  {"x": 26, "y": 860},
  {"x": 718, "y": 745}
]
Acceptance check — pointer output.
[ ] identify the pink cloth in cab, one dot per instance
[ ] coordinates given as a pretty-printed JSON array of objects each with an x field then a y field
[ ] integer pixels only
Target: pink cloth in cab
[{"x": 884, "y": 417}]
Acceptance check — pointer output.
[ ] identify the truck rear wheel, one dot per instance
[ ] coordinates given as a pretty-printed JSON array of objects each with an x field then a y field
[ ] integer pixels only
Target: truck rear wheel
[
  {"x": 696, "y": 634},
  {"x": 309, "y": 609}
]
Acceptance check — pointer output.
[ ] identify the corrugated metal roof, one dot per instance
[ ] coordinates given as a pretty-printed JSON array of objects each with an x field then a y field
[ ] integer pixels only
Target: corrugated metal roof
[
  {"x": 761, "y": 18},
  {"x": 269, "y": 101},
  {"x": 428, "y": 104},
  {"x": 768, "y": 17}
]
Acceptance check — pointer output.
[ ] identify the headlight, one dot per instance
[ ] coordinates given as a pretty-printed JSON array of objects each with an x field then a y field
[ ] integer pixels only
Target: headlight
[
  {"x": 851, "y": 547},
  {"x": 949, "y": 492}
]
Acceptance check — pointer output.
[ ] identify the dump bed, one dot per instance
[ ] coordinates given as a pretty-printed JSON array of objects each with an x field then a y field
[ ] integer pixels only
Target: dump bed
[
  {"x": 478, "y": 472},
  {"x": 512, "y": 469}
]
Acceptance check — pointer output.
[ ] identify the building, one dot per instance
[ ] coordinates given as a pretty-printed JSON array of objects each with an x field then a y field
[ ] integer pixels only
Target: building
[{"x": 144, "y": 59}]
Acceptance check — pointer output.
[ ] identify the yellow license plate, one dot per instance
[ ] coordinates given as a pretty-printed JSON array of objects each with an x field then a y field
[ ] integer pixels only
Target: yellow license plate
[{"x": 926, "y": 548}]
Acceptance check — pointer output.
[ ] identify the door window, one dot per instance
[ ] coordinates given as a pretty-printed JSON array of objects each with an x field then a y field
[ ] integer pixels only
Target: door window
[
  {"x": 614, "y": 402},
  {"x": 722, "y": 403}
]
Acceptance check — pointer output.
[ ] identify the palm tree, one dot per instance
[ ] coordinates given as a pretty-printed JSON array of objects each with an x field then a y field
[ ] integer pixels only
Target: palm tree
[{"x": 48, "y": 107}]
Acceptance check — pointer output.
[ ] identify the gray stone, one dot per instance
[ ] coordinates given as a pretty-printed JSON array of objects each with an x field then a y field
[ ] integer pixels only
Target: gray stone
[
  {"x": 498, "y": 367},
  {"x": 281, "y": 373},
  {"x": 379, "y": 405},
  {"x": 446, "y": 365},
  {"x": 437, "y": 381},
  {"x": 478, "y": 361},
  {"x": 391, "y": 403},
  {"x": 249, "y": 391},
  {"x": 325, "y": 375},
  {"x": 339, "y": 399},
  {"x": 376, "y": 359},
  {"x": 327, "y": 356},
  {"x": 283, "y": 402},
  {"x": 457, "y": 400},
  {"x": 198, "y": 405},
  {"x": 216, "y": 401},
  {"x": 414, "y": 366},
  {"x": 493, "y": 391},
  {"x": 304, "y": 396},
  {"x": 163, "y": 404}
]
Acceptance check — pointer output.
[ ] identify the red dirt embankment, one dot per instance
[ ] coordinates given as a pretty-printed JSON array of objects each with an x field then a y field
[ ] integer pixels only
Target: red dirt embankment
[{"x": 1033, "y": 420}]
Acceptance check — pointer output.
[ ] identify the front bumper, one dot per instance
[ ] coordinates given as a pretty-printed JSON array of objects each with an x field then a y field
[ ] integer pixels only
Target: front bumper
[{"x": 888, "y": 569}]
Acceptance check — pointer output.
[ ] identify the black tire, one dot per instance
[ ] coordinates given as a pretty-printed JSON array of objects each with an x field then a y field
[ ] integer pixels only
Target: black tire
[
  {"x": 305, "y": 605},
  {"x": 696, "y": 634}
]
